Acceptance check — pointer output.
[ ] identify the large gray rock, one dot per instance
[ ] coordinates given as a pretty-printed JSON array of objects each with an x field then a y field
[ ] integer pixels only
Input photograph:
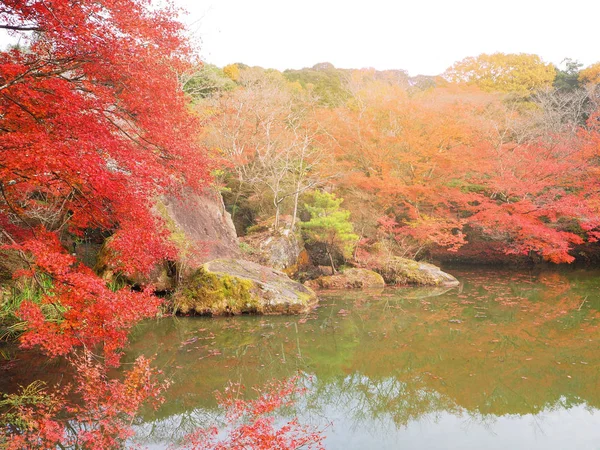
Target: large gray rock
[
  {"x": 402, "y": 271},
  {"x": 200, "y": 228},
  {"x": 200, "y": 222},
  {"x": 348, "y": 279},
  {"x": 279, "y": 249},
  {"x": 235, "y": 286}
]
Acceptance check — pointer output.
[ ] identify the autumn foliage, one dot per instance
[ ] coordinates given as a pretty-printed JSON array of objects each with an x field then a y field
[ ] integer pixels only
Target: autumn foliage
[
  {"x": 444, "y": 163},
  {"x": 489, "y": 153},
  {"x": 515, "y": 73},
  {"x": 96, "y": 126},
  {"x": 94, "y": 129}
]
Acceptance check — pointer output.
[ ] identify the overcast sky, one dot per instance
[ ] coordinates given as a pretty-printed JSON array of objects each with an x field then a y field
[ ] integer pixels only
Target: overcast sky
[{"x": 421, "y": 36}]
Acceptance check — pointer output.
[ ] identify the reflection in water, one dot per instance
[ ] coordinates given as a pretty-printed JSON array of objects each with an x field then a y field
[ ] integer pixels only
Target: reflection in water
[
  {"x": 420, "y": 292},
  {"x": 509, "y": 360},
  {"x": 489, "y": 365}
]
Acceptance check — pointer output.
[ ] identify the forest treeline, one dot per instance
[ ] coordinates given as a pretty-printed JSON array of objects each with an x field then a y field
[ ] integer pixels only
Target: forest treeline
[{"x": 496, "y": 156}]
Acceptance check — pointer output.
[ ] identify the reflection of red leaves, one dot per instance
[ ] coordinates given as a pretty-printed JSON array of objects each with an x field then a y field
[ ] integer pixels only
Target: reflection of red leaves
[
  {"x": 100, "y": 419},
  {"x": 250, "y": 424}
]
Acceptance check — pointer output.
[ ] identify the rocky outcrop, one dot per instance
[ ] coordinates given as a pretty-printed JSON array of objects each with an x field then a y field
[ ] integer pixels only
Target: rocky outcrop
[
  {"x": 317, "y": 253},
  {"x": 348, "y": 279},
  {"x": 234, "y": 286},
  {"x": 199, "y": 224},
  {"x": 402, "y": 271},
  {"x": 280, "y": 249},
  {"x": 200, "y": 228},
  {"x": 162, "y": 278}
]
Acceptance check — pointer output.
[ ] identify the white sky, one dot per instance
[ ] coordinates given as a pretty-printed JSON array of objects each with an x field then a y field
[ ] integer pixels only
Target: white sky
[{"x": 423, "y": 37}]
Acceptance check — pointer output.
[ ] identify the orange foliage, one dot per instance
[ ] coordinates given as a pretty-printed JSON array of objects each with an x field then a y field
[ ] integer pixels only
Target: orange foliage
[{"x": 451, "y": 157}]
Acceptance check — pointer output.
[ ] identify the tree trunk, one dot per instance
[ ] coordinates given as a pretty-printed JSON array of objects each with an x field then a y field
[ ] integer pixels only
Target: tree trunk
[
  {"x": 333, "y": 271},
  {"x": 276, "y": 213},
  {"x": 295, "y": 213}
]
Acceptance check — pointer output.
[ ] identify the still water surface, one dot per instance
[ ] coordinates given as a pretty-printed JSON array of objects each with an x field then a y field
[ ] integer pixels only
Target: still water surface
[{"x": 509, "y": 360}]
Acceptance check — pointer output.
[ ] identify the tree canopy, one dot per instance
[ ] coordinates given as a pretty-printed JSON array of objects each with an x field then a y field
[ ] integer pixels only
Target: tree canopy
[{"x": 520, "y": 73}]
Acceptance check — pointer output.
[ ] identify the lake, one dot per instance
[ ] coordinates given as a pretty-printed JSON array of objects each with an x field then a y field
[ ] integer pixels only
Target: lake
[{"x": 507, "y": 360}]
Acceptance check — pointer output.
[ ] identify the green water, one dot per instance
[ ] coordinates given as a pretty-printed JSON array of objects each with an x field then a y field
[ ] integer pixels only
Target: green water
[{"x": 509, "y": 360}]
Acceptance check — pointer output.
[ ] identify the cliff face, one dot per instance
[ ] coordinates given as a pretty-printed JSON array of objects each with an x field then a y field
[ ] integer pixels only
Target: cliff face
[
  {"x": 201, "y": 221},
  {"x": 200, "y": 228}
]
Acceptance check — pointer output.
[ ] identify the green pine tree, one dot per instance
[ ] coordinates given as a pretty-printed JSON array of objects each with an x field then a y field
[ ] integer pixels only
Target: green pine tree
[{"x": 330, "y": 225}]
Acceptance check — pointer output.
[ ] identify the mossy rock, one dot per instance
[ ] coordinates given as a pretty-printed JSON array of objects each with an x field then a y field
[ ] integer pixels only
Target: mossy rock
[
  {"x": 233, "y": 286},
  {"x": 208, "y": 293},
  {"x": 349, "y": 279},
  {"x": 402, "y": 271}
]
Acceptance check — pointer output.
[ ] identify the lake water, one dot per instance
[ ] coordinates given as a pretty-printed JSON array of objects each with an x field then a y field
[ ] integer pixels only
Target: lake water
[{"x": 509, "y": 360}]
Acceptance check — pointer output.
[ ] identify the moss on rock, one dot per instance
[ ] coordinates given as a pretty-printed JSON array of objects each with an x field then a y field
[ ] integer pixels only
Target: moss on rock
[
  {"x": 209, "y": 293},
  {"x": 176, "y": 234},
  {"x": 402, "y": 271},
  {"x": 233, "y": 286},
  {"x": 349, "y": 279}
]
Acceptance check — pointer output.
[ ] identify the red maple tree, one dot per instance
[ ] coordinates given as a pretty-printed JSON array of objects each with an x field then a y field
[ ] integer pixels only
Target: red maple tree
[{"x": 94, "y": 128}]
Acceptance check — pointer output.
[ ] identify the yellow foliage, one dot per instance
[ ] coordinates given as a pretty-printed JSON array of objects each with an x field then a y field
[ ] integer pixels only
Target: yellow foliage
[
  {"x": 590, "y": 74},
  {"x": 232, "y": 71},
  {"x": 517, "y": 73},
  {"x": 295, "y": 86}
]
